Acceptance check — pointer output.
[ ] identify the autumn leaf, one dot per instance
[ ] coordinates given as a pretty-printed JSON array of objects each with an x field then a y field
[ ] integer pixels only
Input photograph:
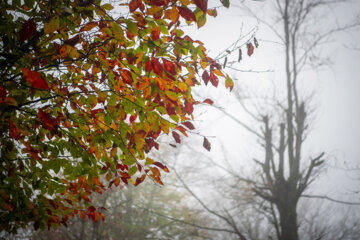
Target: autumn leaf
[
  {"x": 117, "y": 181},
  {"x": 88, "y": 26},
  {"x": 14, "y": 131},
  {"x": 176, "y": 137},
  {"x": 229, "y": 83},
  {"x": 189, "y": 108},
  {"x": 126, "y": 76},
  {"x": 250, "y": 49},
  {"x": 48, "y": 122},
  {"x": 28, "y": 30},
  {"x": 206, "y": 144},
  {"x": 155, "y": 33},
  {"x": 214, "y": 80},
  {"x": 205, "y": 77},
  {"x": 189, "y": 125},
  {"x": 172, "y": 14},
  {"x": 134, "y": 4},
  {"x": 162, "y": 166},
  {"x": 156, "y": 65},
  {"x": 208, "y": 101},
  {"x": 202, "y": 4},
  {"x": 35, "y": 79},
  {"x": 169, "y": 66},
  {"x": 186, "y": 13},
  {"x": 51, "y": 26}
]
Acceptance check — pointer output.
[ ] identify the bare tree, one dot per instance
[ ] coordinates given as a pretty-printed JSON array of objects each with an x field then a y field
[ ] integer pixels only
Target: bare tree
[{"x": 286, "y": 172}]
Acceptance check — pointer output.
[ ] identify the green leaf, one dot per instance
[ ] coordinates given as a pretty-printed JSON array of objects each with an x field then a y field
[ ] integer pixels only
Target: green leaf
[
  {"x": 107, "y": 7},
  {"x": 112, "y": 100},
  {"x": 132, "y": 170},
  {"x": 52, "y": 26},
  {"x": 225, "y": 3},
  {"x": 117, "y": 31},
  {"x": 132, "y": 27},
  {"x": 129, "y": 160}
]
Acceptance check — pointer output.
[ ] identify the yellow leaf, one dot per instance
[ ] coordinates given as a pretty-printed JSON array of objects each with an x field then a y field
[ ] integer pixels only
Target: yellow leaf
[
  {"x": 153, "y": 10},
  {"x": 183, "y": 87},
  {"x": 218, "y": 72},
  {"x": 52, "y": 26}
]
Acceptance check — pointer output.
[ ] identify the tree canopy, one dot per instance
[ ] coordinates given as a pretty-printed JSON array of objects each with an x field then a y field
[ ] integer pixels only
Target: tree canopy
[{"x": 86, "y": 90}]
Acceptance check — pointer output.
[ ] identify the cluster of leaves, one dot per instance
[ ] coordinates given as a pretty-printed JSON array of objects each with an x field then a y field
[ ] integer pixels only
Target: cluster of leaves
[
  {"x": 85, "y": 93},
  {"x": 144, "y": 212}
]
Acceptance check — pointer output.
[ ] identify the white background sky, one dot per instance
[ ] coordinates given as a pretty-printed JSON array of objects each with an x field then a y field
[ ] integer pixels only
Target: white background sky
[{"x": 336, "y": 125}]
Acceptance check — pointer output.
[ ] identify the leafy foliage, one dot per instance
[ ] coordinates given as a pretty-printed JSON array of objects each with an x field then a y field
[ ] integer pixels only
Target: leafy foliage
[
  {"x": 85, "y": 93},
  {"x": 144, "y": 212}
]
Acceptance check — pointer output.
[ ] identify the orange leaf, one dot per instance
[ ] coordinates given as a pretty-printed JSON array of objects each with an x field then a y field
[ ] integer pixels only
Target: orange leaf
[
  {"x": 126, "y": 76},
  {"x": 172, "y": 14},
  {"x": 169, "y": 66},
  {"x": 250, "y": 48},
  {"x": 189, "y": 108},
  {"x": 35, "y": 79},
  {"x": 117, "y": 181},
  {"x": 158, "y": 69},
  {"x": 134, "y": 4},
  {"x": 89, "y": 26},
  {"x": 155, "y": 33}
]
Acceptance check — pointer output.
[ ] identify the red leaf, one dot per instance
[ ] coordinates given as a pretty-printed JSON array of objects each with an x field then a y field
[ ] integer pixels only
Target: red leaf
[
  {"x": 208, "y": 101},
  {"x": 28, "y": 30},
  {"x": 134, "y": 4},
  {"x": 169, "y": 66},
  {"x": 202, "y": 4},
  {"x": 158, "y": 69},
  {"x": 214, "y": 80},
  {"x": 162, "y": 166},
  {"x": 206, "y": 144},
  {"x": 48, "y": 122},
  {"x": 148, "y": 66},
  {"x": 189, "y": 108},
  {"x": 2, "y": 91},
  {"x": 14, "y": 131},
  {"x": 170, "y": 110},
  {"x": 205, "y": 77},
  {"x": 186, "y": 13},
  {"x": 155, "y": 33},
  {"x": 176, "y": 137},
  {"x": 250, "y": 48},
  {"x": 35, "y": 79},
  {"x": 73, "y": 41},
  {"x": 126, "y": 76},
  {"x": 133, "y": 118},
  {"x": 91, "y": 209},
  {"x": 189, "y": 125},
  {"x": 158, "y": 3}
]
